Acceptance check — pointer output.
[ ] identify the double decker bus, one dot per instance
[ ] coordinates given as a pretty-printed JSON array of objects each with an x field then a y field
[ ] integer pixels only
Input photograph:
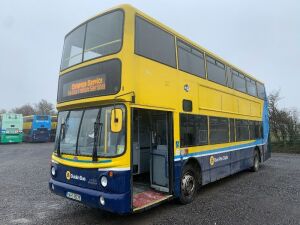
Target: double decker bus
[
  {"x": 146, "y": 115},
  {"x": 53, "y": 128},
  {"x": 37, "y": 128},
  {"x": 11, "y": 128}
]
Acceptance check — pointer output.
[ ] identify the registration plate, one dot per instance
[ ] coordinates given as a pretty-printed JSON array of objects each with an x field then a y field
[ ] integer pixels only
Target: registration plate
[{"x": 74, "y": 196}]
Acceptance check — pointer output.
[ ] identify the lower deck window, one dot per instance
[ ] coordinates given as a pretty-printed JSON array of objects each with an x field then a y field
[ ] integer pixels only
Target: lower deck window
[
  {"x": 193, "y": 130},
  {"x": 242, "y": 130},
  {"x": 218, "y": 130}
]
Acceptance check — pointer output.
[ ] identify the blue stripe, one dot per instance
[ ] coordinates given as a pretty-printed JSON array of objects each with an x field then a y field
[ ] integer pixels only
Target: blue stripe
[{"x": 220, "y": 150}]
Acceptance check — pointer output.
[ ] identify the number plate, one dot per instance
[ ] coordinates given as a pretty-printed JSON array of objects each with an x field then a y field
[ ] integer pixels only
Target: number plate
[{"x": 74, "y": 196}]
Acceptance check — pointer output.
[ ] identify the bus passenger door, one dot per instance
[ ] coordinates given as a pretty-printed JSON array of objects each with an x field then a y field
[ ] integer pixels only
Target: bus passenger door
[{"x": 159, "y": 152}]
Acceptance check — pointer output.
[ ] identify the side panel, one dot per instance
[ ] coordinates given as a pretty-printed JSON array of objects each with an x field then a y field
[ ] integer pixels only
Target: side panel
[{"x": 217, "y": 164}]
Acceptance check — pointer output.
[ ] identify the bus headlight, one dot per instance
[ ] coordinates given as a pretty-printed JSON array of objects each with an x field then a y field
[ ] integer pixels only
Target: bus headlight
[
  {"x": 101, "y": 200},
  {"x": 53, "y": 171},
  {"x": 103, "y": 181}
]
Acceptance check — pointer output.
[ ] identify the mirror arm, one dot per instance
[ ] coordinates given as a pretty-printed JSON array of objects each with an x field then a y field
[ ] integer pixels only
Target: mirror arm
[{"x": 115, "y": 100}]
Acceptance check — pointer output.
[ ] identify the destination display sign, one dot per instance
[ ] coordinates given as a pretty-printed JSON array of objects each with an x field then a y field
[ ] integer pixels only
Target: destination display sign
[
  {"x": 92, "y": 84},
  {"x": 96, "y": 80}
]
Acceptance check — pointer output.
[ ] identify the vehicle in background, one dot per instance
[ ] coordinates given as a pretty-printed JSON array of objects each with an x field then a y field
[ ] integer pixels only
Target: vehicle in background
[
  {"x": 146, "y": 115},
  {"x": 53, "y": 128},
  {"x": 37, "y": 128},
  {"x": 11, "y": 128}
]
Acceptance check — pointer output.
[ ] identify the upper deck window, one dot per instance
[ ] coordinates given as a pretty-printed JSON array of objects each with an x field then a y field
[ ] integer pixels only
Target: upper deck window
[
  {"x": 96, "y": 38},
  {"x": 154, "y": 43},
  {"x": 251, "y": 87},
  {"x": 239, "y": 82},
  {"x": 216, "y": 71},
  {"x": 190, "y": 59},
  {"x": 261, "y": 90}
]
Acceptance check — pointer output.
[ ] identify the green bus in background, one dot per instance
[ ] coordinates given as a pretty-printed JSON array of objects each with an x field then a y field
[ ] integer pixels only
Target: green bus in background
[{"x": 11, "y": 128}]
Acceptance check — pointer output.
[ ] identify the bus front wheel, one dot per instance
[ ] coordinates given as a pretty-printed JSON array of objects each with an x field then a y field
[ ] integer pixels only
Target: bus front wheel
[{"x": 188, "y": 185}]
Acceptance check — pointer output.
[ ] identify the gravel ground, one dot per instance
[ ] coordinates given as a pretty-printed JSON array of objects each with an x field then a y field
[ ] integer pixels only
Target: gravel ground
[{"x": 271, "y": 196}]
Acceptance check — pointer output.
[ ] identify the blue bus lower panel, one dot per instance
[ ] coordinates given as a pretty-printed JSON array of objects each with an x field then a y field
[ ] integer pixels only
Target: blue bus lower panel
[
  {"x": 86, "y": 183},
  {"x": 219, "y": 164},
  {"x": 117, "y": 203}
]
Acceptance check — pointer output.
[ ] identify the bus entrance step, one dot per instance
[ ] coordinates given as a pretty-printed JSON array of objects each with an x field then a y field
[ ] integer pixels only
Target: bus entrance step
[{"x": 148, "y": 198}]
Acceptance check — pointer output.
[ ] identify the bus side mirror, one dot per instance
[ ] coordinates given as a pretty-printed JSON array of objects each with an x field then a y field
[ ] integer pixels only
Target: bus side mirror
[{"x": 116, "y": 119}]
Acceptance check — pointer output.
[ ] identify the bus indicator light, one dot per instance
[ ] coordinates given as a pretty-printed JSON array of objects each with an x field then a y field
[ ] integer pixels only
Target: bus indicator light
[{"x": 184, "y": 151}]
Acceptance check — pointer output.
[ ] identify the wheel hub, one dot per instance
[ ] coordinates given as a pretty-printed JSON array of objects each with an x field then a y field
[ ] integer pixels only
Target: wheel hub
[
  {"x": 188, "y": 184},
  {"x": 256, "y": 162}
]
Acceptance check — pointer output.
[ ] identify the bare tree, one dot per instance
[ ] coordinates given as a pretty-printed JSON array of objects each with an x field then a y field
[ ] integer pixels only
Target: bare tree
[
  {"x": 274, "y": 98},
  {"x": 26, "y": 110},
  {"x": 44, "y": 108},
  {"x": 2, "y": 111},
  {"x": 284, "y": 123},
  {"x": 293, "y": 125}
]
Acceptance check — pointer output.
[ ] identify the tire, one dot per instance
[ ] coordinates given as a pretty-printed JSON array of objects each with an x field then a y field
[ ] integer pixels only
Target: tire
[
  {"x": 255, "y": 166},
  {"x": 188, "y": 184}
]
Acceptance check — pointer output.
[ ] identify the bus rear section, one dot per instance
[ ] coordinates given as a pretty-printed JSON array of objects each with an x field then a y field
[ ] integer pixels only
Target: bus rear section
[
  {"x": 37, "y": 128},
  {"x": 11, "y": 127}
]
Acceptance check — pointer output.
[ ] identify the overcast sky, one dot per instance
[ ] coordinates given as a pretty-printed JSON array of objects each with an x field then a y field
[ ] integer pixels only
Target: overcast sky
[{"x": 260, "y": 37}]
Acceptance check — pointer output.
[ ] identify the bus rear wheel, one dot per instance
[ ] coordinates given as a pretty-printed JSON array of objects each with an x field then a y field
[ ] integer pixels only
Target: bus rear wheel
[
  {"x": 255, "y": 166},
  {"x": 188, "y": 185}
]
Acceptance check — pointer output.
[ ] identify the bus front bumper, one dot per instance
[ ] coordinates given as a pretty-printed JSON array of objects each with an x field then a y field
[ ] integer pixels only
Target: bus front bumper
[{"x": 116, "y": 203}]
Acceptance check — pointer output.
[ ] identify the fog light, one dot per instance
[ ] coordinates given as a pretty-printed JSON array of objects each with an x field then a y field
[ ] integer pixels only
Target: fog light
[
  {"x": 104, "y": 181},
  {"x": 53, "y": 171},
  {"x": 52, "y": 186},
  {"x": 102, "y": 201}
]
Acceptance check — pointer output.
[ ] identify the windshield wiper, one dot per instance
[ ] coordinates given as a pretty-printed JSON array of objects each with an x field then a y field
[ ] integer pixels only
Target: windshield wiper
[
  {"x": 62, "y": 129},
  {"x": 97, "y": 134}
]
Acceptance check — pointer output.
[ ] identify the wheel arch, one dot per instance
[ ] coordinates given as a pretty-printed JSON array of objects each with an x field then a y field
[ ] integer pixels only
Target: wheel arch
[
  {"x": 196, "y": 165},
  {"x": 257, "y": 149}
]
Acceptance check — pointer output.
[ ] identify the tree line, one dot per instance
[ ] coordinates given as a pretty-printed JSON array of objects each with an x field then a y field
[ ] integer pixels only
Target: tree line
[
  {"x": 284, "y": 122},
  {"x": 43, "y": 107}
]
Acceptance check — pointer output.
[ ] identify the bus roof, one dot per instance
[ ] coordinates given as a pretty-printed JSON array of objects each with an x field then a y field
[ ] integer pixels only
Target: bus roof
[{"x": 169, "y": 30}]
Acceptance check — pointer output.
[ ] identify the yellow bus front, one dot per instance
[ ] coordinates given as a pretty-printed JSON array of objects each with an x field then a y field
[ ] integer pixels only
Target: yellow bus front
[{"x": 91, "y": 160}]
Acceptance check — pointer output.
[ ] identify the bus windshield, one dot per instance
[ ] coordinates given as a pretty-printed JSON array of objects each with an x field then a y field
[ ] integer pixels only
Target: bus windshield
[
  {"x": 96, "y": 38},
  {"x": 76, "y": 130}
]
